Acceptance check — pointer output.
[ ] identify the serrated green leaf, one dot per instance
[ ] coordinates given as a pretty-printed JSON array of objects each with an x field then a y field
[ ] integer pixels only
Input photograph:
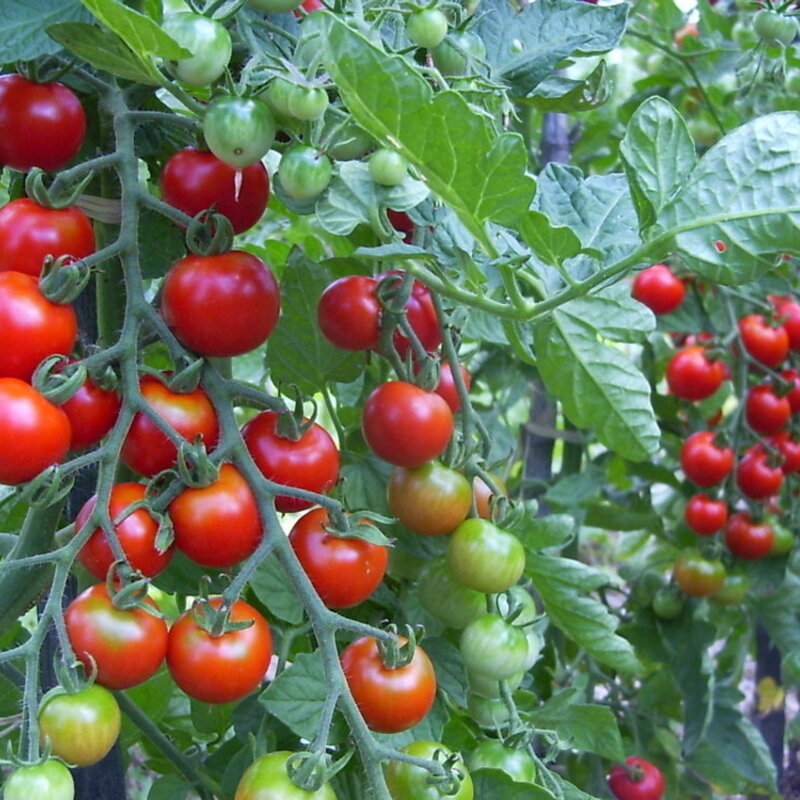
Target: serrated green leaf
[
  {"x": 562, "y": 584},
  {"x": 25, "y": 24},
  {"x": 552, "y": 243},
  {"x": 738, "y": 210},
  {"x": 559, "y": 93}
]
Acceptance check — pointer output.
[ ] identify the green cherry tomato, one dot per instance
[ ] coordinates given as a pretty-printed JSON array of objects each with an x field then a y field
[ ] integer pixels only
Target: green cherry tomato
[
  {"x": 304, "y": 172},
  {"x": 273, "y": 6},
  {"x": 207, "y": 40},
  {"x": 668, "y": 602},
  {"x": 783, "y": 540},
  {"x": 490, "y": 688},
  {"x": 50, "y": 780},
  {"x": 493, "y": 648},
  {"x": 484, "y": 557},
  {"x": 409, "y": 782},
  {"x": 387, "y": 167},
  {"x": 733, "y": 591},
  {"x": 267, "y": 779},
  {"x": 296, "y": 100},
  {"x": 458, "y": 52},
  {"x": 427, "y": 27},
  {"x": 81, "y": 727},
  {"x": 446, "y": 599},
  {"x": 492, "y": 754},
  {"x": 239, "y": 130},
  {"x": 774, "y": 28},
  {"x": 489, "y": 713}
]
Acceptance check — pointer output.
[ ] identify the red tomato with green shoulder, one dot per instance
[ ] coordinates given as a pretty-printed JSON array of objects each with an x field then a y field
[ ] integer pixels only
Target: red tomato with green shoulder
[
  {"x": 637, "y": 779},
  {"x": 691, "y": 375},
  {"x": 765, "y": 342},
  {"x": 348, "y": 313},
  {"x": 92, "y": 412},
  {"x": 703, "y": 461},
  {"x": 748, "y": 539},
  {"x": 659, "y": 289},
  {"x": 127, "y": 645},
  {"x": 390, "y": 700},
  {"x": 344, "y": 571},
  {"x": 696, "y": 575},
  {"x": 705, "y": 515},
  {"x": 219, "y": 669},
  {"x": 267, "y": 778},
  {"x": 407, "y": 781},
  {"x": 50, "y": 780}
]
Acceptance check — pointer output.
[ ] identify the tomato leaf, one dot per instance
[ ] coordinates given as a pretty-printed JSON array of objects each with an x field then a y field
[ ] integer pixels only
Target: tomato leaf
[
  {"x": 25, "y": 23},
  {"x": 168, "y": 787},
  {"x": 272, "y": 588},
  {"x": 552, "y": 243},
  {"x": 495, "y": 783},
  {"x": 558, "y": 93},
  {"x": 451, "y": 674}
]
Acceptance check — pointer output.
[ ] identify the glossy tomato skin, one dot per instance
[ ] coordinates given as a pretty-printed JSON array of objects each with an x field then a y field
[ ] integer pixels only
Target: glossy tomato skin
[
  {"x": 703, "y": 461},
  {"x": 493, "y": 648},
  {"x": 92, "y": 412},
  {"x": 788, "y": 311},
  {"x": 696, "y": 575},
  {"x": 348, "y": 313},
  {"x": 136, "y": 534},
  {"x": 637, "y": 780},
  {"x": 765, "y": 343},
  {"x": 43, "y": 124},
  {"x": 659, "y": 289},
  {"x": 146, "y": 449},
  {"x": 305, "y": 172},
  {"x": 493, "y": 754},
  {"x": 441, "y": 595},
  {"x": 268, "y": 779},
  {"x": 431, "y": 500},
  {"x": 748, "y": 539},
  {"x": 446, "y": 387},
  {"x": 310, "y": 463},
  {"x": 390, "y": 700},
  {"x": 35, "y": 433},
  {"x": 31, "y": 327},
  {"x": 217, "y": 525},
  {"x": 756, "y": 477},
  {"x": 242, "y": 292},
  {"x": 692, "y": 376},
  {"x": 29, "y": 232},
  {"x": 194, "y": 180},
  {"x": 344, "y": 571},
  {"x": 238, "y": 130},
  {"x": 209, "y": 42},
  {"x": 406, "y": 425},
  {"x": 50, "y": 780},
  {"x": 408, "y": 782},
  {"x": 224, "y": 668},
  {"x": 704, "y": 515},
  {"x": 427, "y": 27},
  {"x": 128, "y": 646},
  {"x": 765, "y": 411},
  {"x": 81, "y": 727}
]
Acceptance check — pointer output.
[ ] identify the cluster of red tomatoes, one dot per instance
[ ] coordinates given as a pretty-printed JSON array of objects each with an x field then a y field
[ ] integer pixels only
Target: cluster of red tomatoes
[{"x": 742, "y": 458}]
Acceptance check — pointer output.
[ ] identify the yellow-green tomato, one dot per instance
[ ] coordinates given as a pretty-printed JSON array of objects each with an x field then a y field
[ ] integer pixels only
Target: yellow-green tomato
[
  {"x": 207, "y": 40},
  {"x": 267, "y": 779},
  {"x": 484, "y": 557},
  {"x": 409, "y": 782},
  {"x": 50, "y": 780}
]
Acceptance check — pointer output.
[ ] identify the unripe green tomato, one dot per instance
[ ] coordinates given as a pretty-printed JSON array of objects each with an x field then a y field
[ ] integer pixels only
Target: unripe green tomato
[
  {"x": 207, "y": 40},
  {"x": 304, "y": 172},
  {"x": 793, "y": 81},
  {"x": 519, "y": 600},
  {"x": 273, "y": 6},
  {"x": 668, "y": 602},
  {"x": 408, "y": 782},
  {"x": 493, "y": 754},
  {"x": 426, "y": 27},
  {"x": 50, "y": 780},
  {"x": 774, "y": 28},
  {"x": 493, "y": 648},
  {"x": 486, "y": 712},
  {"x": 783, "y": 540},
  {"x": 743, "y": 34},
  {"x": 446, "y": 599},
  {"x": 267, "y": 778},
  {"x": 490, "y": 688},
  {"x": 458, "y": 52},
  {"x": 239, "y": 130},
  {"x": 387, "y": 167},
  {"x": 294, "y": 100},
  {"x": 535, "y": 645},
  {"x": 733, "y": 591}
]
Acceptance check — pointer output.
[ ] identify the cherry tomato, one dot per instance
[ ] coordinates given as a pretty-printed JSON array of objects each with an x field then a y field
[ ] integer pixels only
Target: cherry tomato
[
  {"x": 430, "y": 500},
  {"x": 491, "y": 713},
  {"x": 696, "y": 575},
  {"x": 692, "y": 376},
  {"x": 92, "y": 412},
  {"x": 207, "y": 40},
  {"x": 30, "y": 232},
  {"x": 348, "y": 313},
  {"x": 787, "y": 310},
  {"x": 493, "y": 648},
  {"x": 774, "y": 28},
  {"x": 765, "y": 343},
  {"x": 239, "y": 130},
  {"x": 703, "y": 461},
  {"x": 34, "y": 434},
  {"x": 217, "y": 525},
  {"x": 406, "y": 425},
  {"x": 668, "y": 602},
  {"x": 296, "y": 100},
  {"x": 390, "y": 700},
  {"x": 765, "y": 411},
  {"x": 733, "y": 591},
  {"x": 458, "y": 53},
  {"x": 127, "y": 646},
  {"x": 484, "y": 557},
  {"x": 194, "y": 181},
  {"x": 31, "y": 327},
  {"x": 792, "y": 376},
  {"x": 659, "y": 289},
  {"x": 790, "y": 450},
  {"x": 493, "y": 754},
  {"x": 387, "y": 167},
  {"x": 421, "y": 316},
  {"x": 441, "y": 595},
  {"x": 748, "y": 539},
  {"x": 636, "y": 780},
  {"x": 268, "y": 779},
  {"x": 242, "y": 292},
  {"x": 783, "y": 540},
  {"x": 304, "y": 172},
  {"x": 446, "y": 387},
  {"x": 408, "y": 782},
  {"x": 43, "y": 124},
  {"x": 136, "y": 533},
  {"x": 50, "y": 780},
  {"x": 705, "y": 515},
  {"x": 146, "y": 449},
  {"x": 219, "y": 669},
  {"x": 491, "y": 689},
  {"x": 400, "y": 221},
  {"x": 310, "y": 463},
  {"x": 81, "y": 727},
  {"x": 344, "y": 571},
  {"x": 755, "y": 475},
  {"x": 427, "y": 27},
  {"x": 482, "y": 494}
]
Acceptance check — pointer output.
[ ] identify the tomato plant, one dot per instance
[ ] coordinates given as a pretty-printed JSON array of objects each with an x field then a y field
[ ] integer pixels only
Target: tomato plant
[
  {"x": 698, "y": 576},
  {"x": 304, "y": 172},
  {"x": 92, "y": 412},
  {"x": 427, "y": 27},
  {"x": 459, "y": 53},
  {"x": 387, "y": 167},
  {"x": 493, "y": 754},
  {"x": 705, "y": 515},
  {"x": 774, "y": 28},
  {"x": 756, "y": 476},
  {"x": 766, "y": 412},
  {"x": 446, "y": 598},
  {"x": 493, "y": 648},
  {"x": 446, "y": 386},
  {"x": 295, "y": 99}
]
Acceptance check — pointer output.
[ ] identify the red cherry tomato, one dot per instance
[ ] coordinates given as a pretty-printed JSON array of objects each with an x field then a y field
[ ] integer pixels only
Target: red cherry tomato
[
  {"x": 127, "y": 646},
  {"x": 765, "y": 343},
  {"x": 400, "y": 221},
  {"x": 482, "y": 494},
  {"x": 748, "y": 539},
  {"x": 30, "y": 232},
  {"x": 219, "y": 669},
  {"x": 703, "y": 462},
  {"x": 638, "y": 779},
  {"x": 788, "y": 312},
  {"x": 92, "y": 412},
  {"x": 43, "y": 124},
  {"x": 659, "y": 289},
  {"x": 390, "y": 700},
  {"x": 446, "y": 387},
  {"x": 766, "y": 412},
  {"x": 793, "y": 377},
  {"x": 344, "y": 571},
  {"x": 31, "y": 327},
  {"x": 348, "y": 313},
  {"x": 756, "y": 477},
  {"x": 310, "y": 463},
  {"x": 34, "y": 434},
  {"x": 692, "y": 376},
  {"x": 406, "y": 425},
  {"x": 421, "y": 316},
  {"x": 240, "y": 289},
  {"x": 218, "y": 525},
  {"x": 194, "y": 180},
  {"x": 136, "y": 534},
  {"x": 705, "y": 515},
  {"x": 790, "y": 450},
  {"x": 146, "y": 449}
]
